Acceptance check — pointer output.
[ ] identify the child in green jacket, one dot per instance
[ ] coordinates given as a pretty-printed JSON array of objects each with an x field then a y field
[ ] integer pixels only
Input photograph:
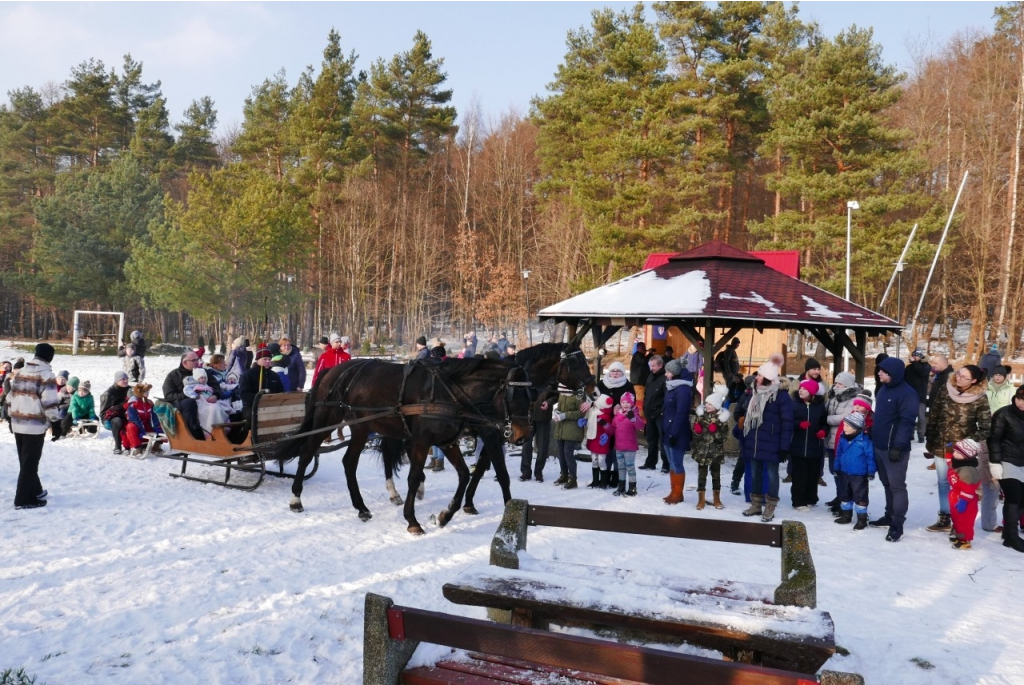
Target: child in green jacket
[
  {"x": 568, "y": 434},
  {"x": 83, "y": 406}
]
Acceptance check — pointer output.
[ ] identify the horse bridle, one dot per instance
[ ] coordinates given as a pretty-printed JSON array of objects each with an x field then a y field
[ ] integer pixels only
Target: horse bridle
[
  {"x": 509, "y": 385},
  {"x": 565, "y": 358}
]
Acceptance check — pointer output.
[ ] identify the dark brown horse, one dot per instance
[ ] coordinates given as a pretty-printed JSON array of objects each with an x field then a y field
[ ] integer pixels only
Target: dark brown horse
[
  {"x": 427, "y": 403},
  {"x": 547, "y": 365}
]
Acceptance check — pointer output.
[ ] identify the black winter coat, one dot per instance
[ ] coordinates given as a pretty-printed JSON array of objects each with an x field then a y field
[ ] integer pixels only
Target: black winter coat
[
  {"x": 654, "y": 395},
  {"x": 1006, "y": 441},
  {"x": 638, "y": 369},
  {"x": 806, "y": 443},
  {"x": 113, "y": 396},
  {"x": 174, "y": 385},
  {"x": 916, "y": 376},
  {"x": 250, "y": 385}
]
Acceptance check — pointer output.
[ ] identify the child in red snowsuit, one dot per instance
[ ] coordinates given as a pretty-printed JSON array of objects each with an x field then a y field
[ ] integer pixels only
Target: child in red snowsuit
[
  {"x": 141, "y": 420},
  {"x": 964, "y": 481},
  {"x": 598, "y": 436}
]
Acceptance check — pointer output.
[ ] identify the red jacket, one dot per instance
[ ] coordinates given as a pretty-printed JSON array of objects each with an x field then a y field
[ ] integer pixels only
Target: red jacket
[
  {"x": 604, "y": 421},
  {"x": 330, "y": 358}
]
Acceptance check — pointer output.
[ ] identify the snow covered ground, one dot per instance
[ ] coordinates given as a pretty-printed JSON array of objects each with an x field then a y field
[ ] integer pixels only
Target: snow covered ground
[{"x": 134, "y": 577}]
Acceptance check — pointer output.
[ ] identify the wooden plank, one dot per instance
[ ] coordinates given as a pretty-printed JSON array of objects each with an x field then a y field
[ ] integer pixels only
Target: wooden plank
[
  {"x": 769, "y": 535},
  {"x": 641, "y": 664},
  {"x": 595, "y": 678}
]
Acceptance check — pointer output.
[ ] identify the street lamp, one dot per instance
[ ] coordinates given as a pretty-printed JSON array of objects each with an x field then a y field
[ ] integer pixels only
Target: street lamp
[
  {"x": 526, "y": 286},
  {"x": 850, "y": 206}
]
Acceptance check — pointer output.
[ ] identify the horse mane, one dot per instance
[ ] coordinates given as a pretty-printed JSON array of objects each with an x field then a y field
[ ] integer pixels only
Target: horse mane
[
  {"x": 456, "y": 369},
  {"x": 538, "y": 352}
]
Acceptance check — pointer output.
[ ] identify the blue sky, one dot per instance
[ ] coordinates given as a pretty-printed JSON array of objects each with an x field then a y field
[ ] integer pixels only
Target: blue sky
[{"x": 498, "y": 54}]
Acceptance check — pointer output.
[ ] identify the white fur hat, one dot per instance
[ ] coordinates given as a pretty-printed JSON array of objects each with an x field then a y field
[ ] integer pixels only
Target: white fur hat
[
  {"x": 616, "y": 366},
  {"x": 771, "y": 368},
  {"x": 716, "y": 400}
]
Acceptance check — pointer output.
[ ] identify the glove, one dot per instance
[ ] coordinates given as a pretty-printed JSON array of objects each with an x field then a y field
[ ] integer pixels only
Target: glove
[
  {"x": 581, "y": 422},
  {"x": 783, "y": 456},
  {"x": 557, "y": 416},
  {"x": 804, "y": 425},
  {"x": 630, "y": 415},
  {"x": 895, "y": 455},
  {"x": 961, "y": 506},
  {"x": 603, "y": 440},
  {"x": 996, "y": 470},
  {"x": 55, "y": 430},
  {"x": 713, "y": 427},
  {"x": 697, "y": 429},
  {"x": 821, "y": 434}
]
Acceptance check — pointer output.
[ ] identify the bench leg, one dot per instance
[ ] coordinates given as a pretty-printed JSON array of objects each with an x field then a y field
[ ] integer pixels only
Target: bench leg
[{"x": 383, "y": 657}]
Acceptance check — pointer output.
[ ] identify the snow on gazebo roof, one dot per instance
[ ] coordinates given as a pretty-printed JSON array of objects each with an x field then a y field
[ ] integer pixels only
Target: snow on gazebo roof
[{"x": 720, "y": 282}]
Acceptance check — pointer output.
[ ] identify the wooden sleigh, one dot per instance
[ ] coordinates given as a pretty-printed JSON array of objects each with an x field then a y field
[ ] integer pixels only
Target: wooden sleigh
[{"x": 275, "y": 417}]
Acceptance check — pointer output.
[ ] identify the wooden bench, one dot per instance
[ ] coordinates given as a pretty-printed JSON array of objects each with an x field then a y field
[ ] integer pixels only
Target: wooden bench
[
  {"x": 501, "y": 653},
  {"x": 777, "y": 626}
]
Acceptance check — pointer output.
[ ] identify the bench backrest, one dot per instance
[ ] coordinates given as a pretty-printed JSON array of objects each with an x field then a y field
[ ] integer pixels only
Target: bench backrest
[
  {"x": 799, "y": 580},
  {"x": 391, "y": 633},
  {"x": 769, "y": 535},
  {"x": 277, "y": 415}
]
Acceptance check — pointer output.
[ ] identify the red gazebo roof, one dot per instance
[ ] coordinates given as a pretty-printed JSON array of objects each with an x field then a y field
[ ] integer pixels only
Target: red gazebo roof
[
  {"x": 783, "y": 261},
  {"x": 723, "y": 284}
]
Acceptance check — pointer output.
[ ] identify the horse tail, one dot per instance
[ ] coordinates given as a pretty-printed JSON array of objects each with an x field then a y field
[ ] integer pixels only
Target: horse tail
[{"x": 391, "y": 450}]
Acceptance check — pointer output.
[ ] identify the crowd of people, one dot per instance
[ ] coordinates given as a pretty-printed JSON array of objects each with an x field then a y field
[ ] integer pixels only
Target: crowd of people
[{"x": 971, "y": 421}]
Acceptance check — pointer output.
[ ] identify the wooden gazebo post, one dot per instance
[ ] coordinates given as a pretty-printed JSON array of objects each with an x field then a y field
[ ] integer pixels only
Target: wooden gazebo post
[{"x": 709, "y": 358}]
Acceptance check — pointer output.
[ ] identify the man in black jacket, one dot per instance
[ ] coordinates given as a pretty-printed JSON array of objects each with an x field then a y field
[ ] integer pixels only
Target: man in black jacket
[
  {"x": 113, "y": 399},
  {"x": 256, "y": 379},
  {"x": 916, "y": 377},
  {"x": 654, "y": 402},
  {"x": 941, "y": 369},
  {"x": 174, "y": 392}
]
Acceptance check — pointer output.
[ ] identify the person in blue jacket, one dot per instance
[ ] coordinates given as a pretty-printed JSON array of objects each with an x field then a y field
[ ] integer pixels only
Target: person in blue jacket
[
  {"x": 767, "y": 435},
  {"x": 893, "y": 431},
  {"x": 675, "y": 424},
  {"x": 854, "y": 465},
  {"x": 296, "y": 366}
]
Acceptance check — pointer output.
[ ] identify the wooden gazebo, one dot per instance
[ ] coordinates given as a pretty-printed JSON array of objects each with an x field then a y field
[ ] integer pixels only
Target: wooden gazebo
[{"x": 716, "y": 286}]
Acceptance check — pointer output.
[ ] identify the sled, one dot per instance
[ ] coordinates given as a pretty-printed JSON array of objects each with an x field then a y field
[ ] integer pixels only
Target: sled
[{"x": 240, "y": 458}]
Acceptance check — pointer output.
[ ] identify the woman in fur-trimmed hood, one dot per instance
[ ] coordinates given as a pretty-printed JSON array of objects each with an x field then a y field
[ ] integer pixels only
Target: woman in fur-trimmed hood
[{"x": 961, "y": 410}]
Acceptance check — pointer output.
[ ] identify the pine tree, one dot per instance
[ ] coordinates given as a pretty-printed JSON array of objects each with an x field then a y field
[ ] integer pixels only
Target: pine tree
[
  {"x": 89, "y": 117},
  {"x": 266, "y": 140},
  {"x": 195, "y": 148}
]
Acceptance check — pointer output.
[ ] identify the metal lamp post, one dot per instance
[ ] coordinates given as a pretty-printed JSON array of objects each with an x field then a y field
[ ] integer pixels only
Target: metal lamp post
[
  {"x": 526, "y": 287},
  {"x": 850, "y": 206}
]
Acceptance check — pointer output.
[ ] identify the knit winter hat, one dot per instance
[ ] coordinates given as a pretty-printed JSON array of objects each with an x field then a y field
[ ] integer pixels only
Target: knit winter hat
[
  {"x": 325, "y": 341},
  {"x": 617, "y": 366},
  {"x": 716, "y": 400},
  {"x": 993, "y": 347},
  {"x": 64, "y": 374},
  {"x": 810, "y": 385},
  {"x": 846, "y": 379},
  {"x": 811, "y": 363},
  {"x": 73, "y": 382},
  {"x": 44, "y": 352},
  {"x": 239, "y": 341},
  {"x": 855, "y": 420},
  {"x": 863, "y": 399},
  {"x": 675, "y": 368},
  {"x": 917, "y": 354},
  {"x": 422, "y": 340},
  {"x": 199, "y": 373},
  {"x": 965, "y": 449},
  {"x": 335, "y": 338},
  {"x": 1001, "y": 371},
  {"x": 86, "y": 385},
  {"x": 120, "y": 376},
  {"x": 603, "y": 402},
  {"x": 274, "y": 348},
  {"x": 564, "y": 390},
  {"x": 136, "y": 335},
  {"x": 771, "y": 368},
  {"x": 264, "y": 353},
  {"x": 628, "y": 397},
  {"x": 345, "y": 340}
]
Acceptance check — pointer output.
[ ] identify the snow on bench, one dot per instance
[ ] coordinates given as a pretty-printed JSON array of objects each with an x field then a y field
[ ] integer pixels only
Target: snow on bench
[{"x": 500, "y": 653}]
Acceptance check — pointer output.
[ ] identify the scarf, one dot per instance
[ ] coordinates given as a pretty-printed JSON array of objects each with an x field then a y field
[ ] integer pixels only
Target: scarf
[
  {"x": 614, "y": 382},
  {"x": 675, "y": 383},
  {"x": 763, "y": 394},
  {"x": 972, "y": 394}
]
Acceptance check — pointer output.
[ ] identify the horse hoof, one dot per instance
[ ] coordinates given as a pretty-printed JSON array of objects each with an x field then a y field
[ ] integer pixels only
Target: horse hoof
[
  {"x": 419, "y": 495},
  {"x": 397, "y": 500},
  {"x": 296, "y": 507},
  {"x": 470, "y": 509},
  {"x": 443, "y": 518},
  {"x": 416, "y": 530},
  {"x": 365, "y": 516}
]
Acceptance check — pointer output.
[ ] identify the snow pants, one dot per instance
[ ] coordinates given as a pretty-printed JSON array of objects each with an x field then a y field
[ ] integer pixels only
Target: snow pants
[{"x": 963, "y": 524}]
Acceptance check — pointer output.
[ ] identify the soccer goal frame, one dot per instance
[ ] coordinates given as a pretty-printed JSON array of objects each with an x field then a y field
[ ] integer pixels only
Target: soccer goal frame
[{"x": 76, "y": 329}]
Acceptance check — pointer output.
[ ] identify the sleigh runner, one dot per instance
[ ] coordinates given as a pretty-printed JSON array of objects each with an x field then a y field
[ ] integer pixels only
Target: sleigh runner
[{"x": 276, "y": 416}]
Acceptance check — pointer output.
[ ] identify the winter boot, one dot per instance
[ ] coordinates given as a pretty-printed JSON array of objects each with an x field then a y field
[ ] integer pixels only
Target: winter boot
[
  {"x": 605, "y": 480},
  {"x": 430, "y": 464},
  {"x": 571, "y": 483},
  {"x": 1011, "y": 531},
  {"x": 769, "y": 509},
  {"x": 613, "y": 477},
  {"x": 700, "y": 500},
  {"x": 962, "y": 544},
  {"x": 718, "y": 499},
  {"x": 621, "y": 489},
  {"x": 862, "y": 522},
  {"x": 631, "y": 492},
  {"x": 678, "y": 480},
  {"x": 845, "y": 516},
  {"x": 755, "y": 506},
  {"x": 562, "y": 479},
  {"x": 940, "y": 526},
  {"x": 884, "y": 522},
  {"x": 596, "y": 480},
  {"x": 734, "y": 488}
]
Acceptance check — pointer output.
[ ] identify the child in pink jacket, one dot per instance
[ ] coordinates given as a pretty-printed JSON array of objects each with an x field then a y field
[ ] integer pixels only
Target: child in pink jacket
[{"x": 625, "y": 425}]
